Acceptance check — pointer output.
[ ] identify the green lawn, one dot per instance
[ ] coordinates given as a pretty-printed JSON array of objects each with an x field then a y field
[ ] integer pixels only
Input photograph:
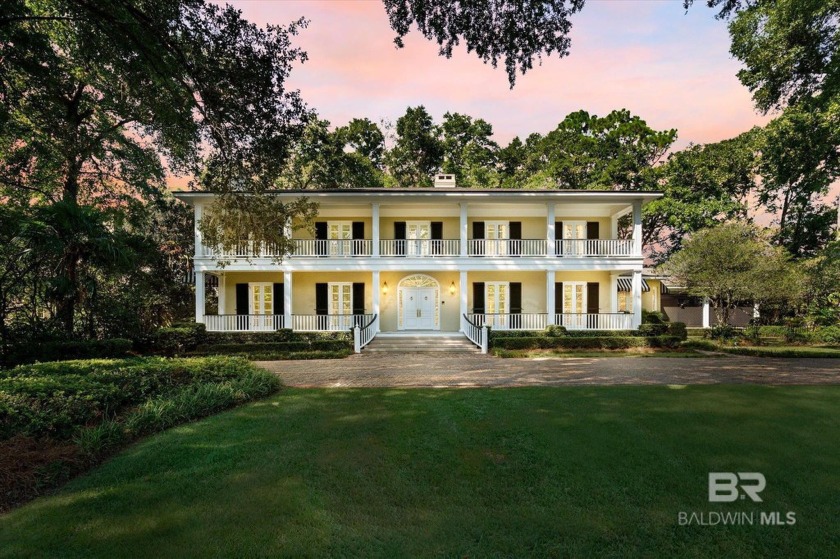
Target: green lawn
[{"x": 571, "y": 471}]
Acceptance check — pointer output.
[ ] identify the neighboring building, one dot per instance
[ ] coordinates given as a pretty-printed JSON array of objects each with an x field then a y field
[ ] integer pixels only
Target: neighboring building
[
  {"x": 437, "y": 259},
  {"x": 679, "y": 306}
]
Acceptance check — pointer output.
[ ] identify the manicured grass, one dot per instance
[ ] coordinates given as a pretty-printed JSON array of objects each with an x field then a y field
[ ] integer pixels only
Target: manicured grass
[{"x": 567, "y": 471}]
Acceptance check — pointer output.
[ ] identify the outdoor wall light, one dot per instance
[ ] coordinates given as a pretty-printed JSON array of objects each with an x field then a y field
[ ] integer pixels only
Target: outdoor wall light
[
  {"x": 385, "y": 288},
  {"x": 452, "y": 288}
]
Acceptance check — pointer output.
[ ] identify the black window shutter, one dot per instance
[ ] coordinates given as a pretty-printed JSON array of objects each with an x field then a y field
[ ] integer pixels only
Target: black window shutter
[
  {"x": 399, "y": 235},
  {"x": 558, "y": 297},
  {"x": 437, "y": 236},
  {"x": 358, "y": 298},
  {"x": 241, "y": 298},
  {"x": 358, "y": 229},
  {"x": 592, "y": 294},
  {"x": 478, "y": 229},
  {"x": 516, "y": 238},
  {"x": 592, "y": 230},
  {"x": 515, "y": 297},
  {"x": 478, "y": 234},
  {"x": 558, "y": 236},
  {"x": 321, "y": 238},
  {"x": 279, "y": 301},
  {"x": 322, "y": 298},
  {"x": 478, "y": 297}
]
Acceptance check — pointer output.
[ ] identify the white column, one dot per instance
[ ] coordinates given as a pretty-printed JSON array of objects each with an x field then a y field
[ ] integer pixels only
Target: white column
[
  {"x": 551, "y": 233},
  {"x": 637, "y": 298},
  {"x": 613, "y": 227},
  {"x": 376, "y": 291},
  {"x": 707, "y": 322},
  {"x": 463, "y": 300},
  {"x": 199, "y": 241},
  {"x": 199, "y": 296},
  {"x": 614, "y": 292},
  {"x": 756, "y": 310},
  {"x": 287, "y": 299},
  {"x": 549, "y": 294},
  {"x": 222, "y": 296},
  {"x": 637, "y": 228},
  {"x": 375, "y": 229},
  {"x": 463, "y": 228}
]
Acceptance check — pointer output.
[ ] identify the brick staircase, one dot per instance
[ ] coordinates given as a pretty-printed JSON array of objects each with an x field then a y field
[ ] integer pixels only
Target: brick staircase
[{"x": 421, "y": 342}]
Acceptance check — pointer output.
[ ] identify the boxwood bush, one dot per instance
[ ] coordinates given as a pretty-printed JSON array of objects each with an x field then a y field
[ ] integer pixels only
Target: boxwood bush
[
  {"x": 31, "y": 352},
  {"x": 592, "y": 342}
]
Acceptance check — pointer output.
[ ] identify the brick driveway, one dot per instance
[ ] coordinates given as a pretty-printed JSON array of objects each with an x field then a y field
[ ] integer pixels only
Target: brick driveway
[{"x": 466, "y": 370}]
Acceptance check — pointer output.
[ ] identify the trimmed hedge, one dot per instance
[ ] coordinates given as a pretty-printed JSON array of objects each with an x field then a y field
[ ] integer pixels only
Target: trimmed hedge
[
  {"x": 499, "y": 334},
  {"x": 21, "y": 354},
  {"x": 280, "y": 347},
  {"x": 592, "y": 342},
  {"x": 284, "y": 335}
]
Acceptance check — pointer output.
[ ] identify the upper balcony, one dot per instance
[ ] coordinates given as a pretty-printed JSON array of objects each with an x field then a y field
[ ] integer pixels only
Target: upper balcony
[{"x": 435, "y": 248}]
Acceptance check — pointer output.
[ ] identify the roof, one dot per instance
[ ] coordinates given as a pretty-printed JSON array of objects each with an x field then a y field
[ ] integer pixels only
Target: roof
[{"x": 463, "y": 193}]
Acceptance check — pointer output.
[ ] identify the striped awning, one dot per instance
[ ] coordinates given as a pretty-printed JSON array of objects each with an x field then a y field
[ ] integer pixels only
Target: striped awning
[{"x": 626, "y": 284}]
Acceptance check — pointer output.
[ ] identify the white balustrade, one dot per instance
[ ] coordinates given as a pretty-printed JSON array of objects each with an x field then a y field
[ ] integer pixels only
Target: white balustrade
[
  {"x": 243, "y": 322},
  {"x": 328, "y": 322},
  {"x": 594, "y": 321},
  {"x": 594, "y": 247},
  {"x": 420, "y": 247}
]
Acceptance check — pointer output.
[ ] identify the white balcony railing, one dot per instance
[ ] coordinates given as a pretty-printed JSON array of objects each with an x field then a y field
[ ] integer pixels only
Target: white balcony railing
[
  {"x": 594, "y": 247},
  {"x": 511, "y": 321},
  {"x": 420, "y": 247},
  {"x": 594, "y": 321},
  {"x": 342, "y": 248},
  {"x": 507, "y": 247},
  {"x": 539, "y": 321},
  {"x": 237, "y": 322},
  {"x": 329, "y": 322}
]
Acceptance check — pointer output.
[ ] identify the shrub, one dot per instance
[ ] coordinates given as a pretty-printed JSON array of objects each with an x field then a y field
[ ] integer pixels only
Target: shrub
[
  {"x": 654, "y": 317},
  {"x": 653, "y": 329},
  {"x": 21, "y": 354},
  {"x": 602, "y": 342},
  {"x": 703, "y": 345},
  {"x": 827, "y": 335},
  {"x": 172, "y": 341},
  {"x": 678, "y": 330},
  {"x": 555, "y": 331},
  {"x": 722, "y": 332},
  {"x": 279, "y": 347},
  {"x": 283, "y": 335}
]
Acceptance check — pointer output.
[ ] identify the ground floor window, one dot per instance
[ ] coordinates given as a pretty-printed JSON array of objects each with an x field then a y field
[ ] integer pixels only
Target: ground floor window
[{"x": 625, "y": 301}]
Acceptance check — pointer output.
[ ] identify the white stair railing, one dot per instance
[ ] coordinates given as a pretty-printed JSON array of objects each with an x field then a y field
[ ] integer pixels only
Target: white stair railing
[{"x": 477, "y": 334}]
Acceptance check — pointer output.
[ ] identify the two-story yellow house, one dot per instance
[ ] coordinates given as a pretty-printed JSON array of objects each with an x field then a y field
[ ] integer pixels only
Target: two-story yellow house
[{"x": 441, "y": 259}]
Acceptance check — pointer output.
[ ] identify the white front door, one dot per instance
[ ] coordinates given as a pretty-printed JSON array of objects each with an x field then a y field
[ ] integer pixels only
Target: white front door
[
  {"x": 261, "y": 306},
  {"x": 496, "y": 233},
  {"x": 574, "y": 304},
  {"x": 419, "y": 308},
  {"x": 417, "y": 235},
  {"x": 497, "y": 303}
]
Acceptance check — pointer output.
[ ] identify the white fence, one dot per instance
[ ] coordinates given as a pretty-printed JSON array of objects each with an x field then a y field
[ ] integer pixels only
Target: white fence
[
  {"x": 595, "y": 321},
  {"x": 420, "y": 247},
  {"x": 328, "y": 322},
  {"x": 236, "y": 322}
]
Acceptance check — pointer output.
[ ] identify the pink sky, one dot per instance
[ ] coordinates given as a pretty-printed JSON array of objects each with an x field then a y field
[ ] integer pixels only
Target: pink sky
[{"x": 670, "y": 68}]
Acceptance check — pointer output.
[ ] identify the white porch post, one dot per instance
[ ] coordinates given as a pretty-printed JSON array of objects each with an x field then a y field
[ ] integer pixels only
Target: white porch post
[
  {"x": 222, "y": 296},
  {"x": 613, "y": 227},
  {"x": 375, "y": 231},
  {"x": 551, "y": 233},
  {"x": 549, "y": 295},
  {"x": 199, "y": 240},
  {"x": 287, "y": 299},
  {"x": 637, "y": 228},
  {"x": 376, "y": 292},
  {"x": 637, "y": 298},
  {"x": 463, "y": 299},
  {"x": 199, "y": 296},
  {"x": 707, "y": 322},
  {"x": 463, "y": 229},
  {"x": 614, "y": 292}
]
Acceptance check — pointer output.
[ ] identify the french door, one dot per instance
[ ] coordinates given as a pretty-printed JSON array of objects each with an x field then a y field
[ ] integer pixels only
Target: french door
[
  {"x": 261, "y": 306},
  {"x": 496, "y": 233},
  {"x": 341, "y": 306},
  {"x": 574, "y": 304},
  {"x": 340, "y": 236},
  {"x": 497, "y": 303},
  {"x": 417, "y": 235},
  {"x": 575, "y": 233}
]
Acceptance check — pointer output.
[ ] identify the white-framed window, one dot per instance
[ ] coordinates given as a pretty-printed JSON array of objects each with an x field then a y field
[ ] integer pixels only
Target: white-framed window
[
  {"x": 574, "y": 297},
  {"x": 497, "y": 303},
  {"x": 573, "y": 232},
  {"x": 496, "y": 233},
  {"x": 340, "y": 305},
  {"x": 625, "y": 301}
]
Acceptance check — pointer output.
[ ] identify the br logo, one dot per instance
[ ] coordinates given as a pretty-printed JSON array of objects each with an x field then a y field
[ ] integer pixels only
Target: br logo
[{"x": 725, "y": 487}]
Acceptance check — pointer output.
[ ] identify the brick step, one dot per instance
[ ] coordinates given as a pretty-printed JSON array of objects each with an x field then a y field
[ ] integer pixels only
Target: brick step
[{"x": 421, "y": 344}]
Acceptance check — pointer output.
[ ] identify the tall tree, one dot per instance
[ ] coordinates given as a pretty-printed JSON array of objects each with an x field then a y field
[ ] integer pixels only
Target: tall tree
[
  {"x": 364, "y": 137},
  {"x": 96, "y": 95},
  {"x": 732, "y": 264},
  {"x": 417, "y": 152},
  {"x": 468, "y": 150},
  {"x": 497, "y": 30}
]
